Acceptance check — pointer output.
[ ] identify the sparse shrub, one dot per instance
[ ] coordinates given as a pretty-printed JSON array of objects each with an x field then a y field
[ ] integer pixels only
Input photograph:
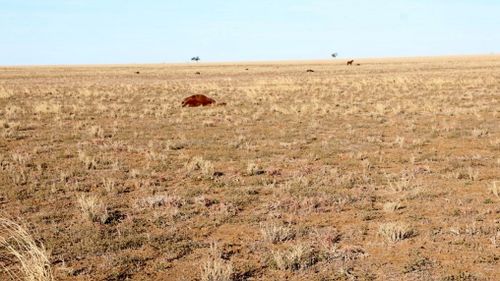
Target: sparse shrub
[
  {"x": 88, "y": 161},
  {"x": 109, "y": 185},
  {"x": 274, "y": 233},
  {"x": 13, "y": 112},
  {"x": 392, "y": 206},
  {"x": 472, "y": 174},
  {"x": 254, "y": 169},
  {"x": 328, "y": 239},
  {"x": 479, "y": 133},
  {"x": 495, "y": 143},
  {"x": 175, "y": 144},
  {"x": 134, "y": 173},
  {"x": 207, "y": 169},
  {"x": 214, "y": 268},
  {"x": 5, "y": 93},
  {"x": 495, "y": 189},
  {"x": 238, "y": 142},
  {"x": 402, "y": 183},
  {"x": 199, "y": 164},
  {"x": 395, "y": 232},
  {"x": 418, "y": 265},
  {"x": 20, "y": 158},
  {"x": 297, "y": 257},
  {"x": 96, "y": 132},
  {"x": 462, "y": 276},
  {"x": 205, "y": 201},
  {"x": 161, "y": 201},
  {"x": 47, "y": 108},
  {"x": 488, "y": 201},
  {"x": 19, "y": 178},
  {"x": 349, "y": 253},
  {"x": 399, "y": 141},
  {"x": 92, "y": 208}
]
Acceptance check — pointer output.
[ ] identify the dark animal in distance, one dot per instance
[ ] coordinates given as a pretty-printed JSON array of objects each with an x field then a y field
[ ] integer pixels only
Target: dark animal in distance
[
  {"x": 350, "y": 62},
  {"x": 358, "y": 64},
  {"x": 197, "y": 73},
  {"x": 309, "y": 70},
  {"x": 137, "y": 72},
  {"x": 197, "y": 100}
]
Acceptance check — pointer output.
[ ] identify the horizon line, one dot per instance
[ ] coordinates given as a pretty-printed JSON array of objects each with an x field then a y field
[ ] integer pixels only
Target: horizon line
[{"x": 278, "y": 61}]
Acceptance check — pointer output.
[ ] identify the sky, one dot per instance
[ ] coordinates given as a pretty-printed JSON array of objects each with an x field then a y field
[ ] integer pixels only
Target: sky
[{"x": 51, "y": 32}]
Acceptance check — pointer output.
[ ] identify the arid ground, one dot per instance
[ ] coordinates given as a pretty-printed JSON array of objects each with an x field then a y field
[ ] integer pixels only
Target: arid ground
[{"x": 389, "y": 170}]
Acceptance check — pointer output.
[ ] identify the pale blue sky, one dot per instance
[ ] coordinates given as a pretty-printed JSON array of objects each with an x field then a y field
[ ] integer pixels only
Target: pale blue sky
[{"x": 153, "y": 31}]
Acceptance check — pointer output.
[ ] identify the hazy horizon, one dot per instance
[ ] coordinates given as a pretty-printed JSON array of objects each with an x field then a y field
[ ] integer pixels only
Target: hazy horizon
[{"x": 62, "y": 32}]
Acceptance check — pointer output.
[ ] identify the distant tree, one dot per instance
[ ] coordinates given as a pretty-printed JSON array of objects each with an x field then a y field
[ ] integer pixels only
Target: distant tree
[
  {"x": 334, "y": 55},
  {"x": 196, "y": 59}
]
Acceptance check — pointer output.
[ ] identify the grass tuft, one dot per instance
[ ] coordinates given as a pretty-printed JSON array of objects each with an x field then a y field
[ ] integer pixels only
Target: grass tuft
[{"x": 27, "y": 260}]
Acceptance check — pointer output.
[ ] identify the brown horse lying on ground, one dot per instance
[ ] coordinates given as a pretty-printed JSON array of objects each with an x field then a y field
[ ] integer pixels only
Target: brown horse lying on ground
[{"x": 199, "y": 100}]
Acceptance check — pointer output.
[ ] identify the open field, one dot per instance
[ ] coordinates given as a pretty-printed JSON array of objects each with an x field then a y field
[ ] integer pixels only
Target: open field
[{"x": 385, "y": 171}]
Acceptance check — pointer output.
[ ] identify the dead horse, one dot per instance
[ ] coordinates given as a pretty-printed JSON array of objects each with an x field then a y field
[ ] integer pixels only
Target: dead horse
[{"x": 197, "y": 100}]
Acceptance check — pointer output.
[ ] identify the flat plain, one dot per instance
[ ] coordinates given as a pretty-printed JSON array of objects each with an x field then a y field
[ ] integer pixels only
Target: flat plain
[{"x": 387, "y": 170}]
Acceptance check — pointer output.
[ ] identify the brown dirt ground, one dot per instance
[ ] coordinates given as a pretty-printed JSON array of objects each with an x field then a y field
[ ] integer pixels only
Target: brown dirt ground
[{"x": 385, "y": 171}]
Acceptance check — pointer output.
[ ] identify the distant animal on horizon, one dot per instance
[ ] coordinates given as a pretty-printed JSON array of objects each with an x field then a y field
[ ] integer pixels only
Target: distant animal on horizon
[
  {"x": 358, "y": 64},
  {"x": 137, "y": 72},
  {"x": 309, "y": 70},
  {"x": 197, "y": 73},
  {"x": 199, "y": 100},
  {"x": 350, "y": 62}
]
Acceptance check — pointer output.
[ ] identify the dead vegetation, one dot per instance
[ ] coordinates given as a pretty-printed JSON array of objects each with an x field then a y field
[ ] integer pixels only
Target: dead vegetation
[
  {"x": 388, "y": 171},
  {"x": 22, "y": 258}
]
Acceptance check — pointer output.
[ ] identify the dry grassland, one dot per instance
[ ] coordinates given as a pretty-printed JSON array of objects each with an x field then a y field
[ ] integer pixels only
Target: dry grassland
[{"x": 385, "y": 171}]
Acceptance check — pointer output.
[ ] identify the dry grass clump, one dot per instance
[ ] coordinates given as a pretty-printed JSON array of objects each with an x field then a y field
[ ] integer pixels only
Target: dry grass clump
[
  {"x": 96, "y": 131},
  {"x": 109, "y": 185},
  {"x": 47, "y": 108},
  {"x": 199, "y": 164},
  {"x": 462, "y": 276},
  {"x": 214, "y": 268},
  {"x": 395, "y": 231},
  {"x": 156, "y": 201},
  {"x": 403, "y": 182},
  {"x": 254, "y": 169},
  {"x": 275, "y": 233},
  {"x": 92, "y": 208},
  {"x": 5, "y": 93},
  {"x": 21, "y": 257},
  {"x": 296, "y": 257},
  {"x": 479, "y": 133},
  {"x": 495, "y": 189},
  {"x": 392, "y": 206}
]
